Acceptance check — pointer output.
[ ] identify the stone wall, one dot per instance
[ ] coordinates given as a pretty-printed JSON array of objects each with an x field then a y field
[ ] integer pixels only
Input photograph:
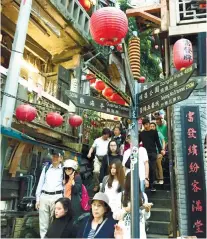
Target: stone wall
[{"x": 197, "y": 98}]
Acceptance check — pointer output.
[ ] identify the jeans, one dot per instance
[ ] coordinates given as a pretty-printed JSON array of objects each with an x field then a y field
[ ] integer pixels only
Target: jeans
[
  {"x": 152, "y": 167},
  {"x": 142, "y": 185}
]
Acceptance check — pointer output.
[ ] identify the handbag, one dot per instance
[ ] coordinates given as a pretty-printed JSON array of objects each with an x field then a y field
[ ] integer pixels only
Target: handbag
[{"x": 100, "y": 158}]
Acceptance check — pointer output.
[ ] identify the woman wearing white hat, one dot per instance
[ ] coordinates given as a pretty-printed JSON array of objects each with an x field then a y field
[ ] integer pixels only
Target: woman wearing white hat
[
  {"x": 72, "y": 185},
  {"x": 100, "y": 223}
]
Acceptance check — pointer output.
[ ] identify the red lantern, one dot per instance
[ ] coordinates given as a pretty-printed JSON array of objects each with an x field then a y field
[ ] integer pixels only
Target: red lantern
[
  {"x": 26, "y": 113},
  {"x": 93, "y": 123},
  {"x": 86, "y": 4},
  {"x": 54, "y": 119},
  {"x": 75, "y": 120},
  {"x": 107, "y": 92},
  {"x": 90, "y": 77},
  {"x": 182, "y": 53},
  {"x": 112, "y": 26},
  {"x": 119, "y": 48},
  {"x": 92, "y": 81},
  {"x": 100, "y": 85},
  {"x": 115, "y": 97},
  {"x": 121, "y": 102},
  {"x": 141, "y": 79}
]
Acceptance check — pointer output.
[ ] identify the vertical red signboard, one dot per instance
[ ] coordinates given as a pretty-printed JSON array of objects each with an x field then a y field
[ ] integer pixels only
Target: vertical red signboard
[{"x": 194, "y": 171}]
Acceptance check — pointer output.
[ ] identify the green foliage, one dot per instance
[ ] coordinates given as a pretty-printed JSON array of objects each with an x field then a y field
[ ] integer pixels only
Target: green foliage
[{"x": 150, "y": 59}]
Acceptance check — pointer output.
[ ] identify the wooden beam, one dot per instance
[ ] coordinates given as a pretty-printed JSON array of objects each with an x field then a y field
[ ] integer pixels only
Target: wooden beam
[
  {"x": 66, "y": 54},
  {"x": 164, "y": 16},
  {"x": 151, "y": 9},
  {"x": 149, "y": 17}
]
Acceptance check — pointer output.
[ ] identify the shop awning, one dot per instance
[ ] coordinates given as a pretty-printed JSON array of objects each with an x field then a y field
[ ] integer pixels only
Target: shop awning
[{"x": 13, "y": 133}]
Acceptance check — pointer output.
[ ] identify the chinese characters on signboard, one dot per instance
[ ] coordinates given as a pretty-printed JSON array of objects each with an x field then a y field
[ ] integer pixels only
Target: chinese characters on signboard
[
  {"x": 92, "y": 103},
  {"x": 194, "y": 171}
]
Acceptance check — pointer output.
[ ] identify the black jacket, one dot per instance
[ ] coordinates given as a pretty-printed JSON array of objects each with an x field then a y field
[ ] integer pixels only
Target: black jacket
[
  {"x": 76, "y": 197},
  {"x": 61, "y": 228},
  {"x": 150, "y": 140},
  {"x": 108, "y": 160}
]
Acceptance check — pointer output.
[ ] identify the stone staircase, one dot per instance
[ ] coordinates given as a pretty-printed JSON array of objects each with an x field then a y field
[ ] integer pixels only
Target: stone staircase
[{"x": 160, "y": 222}]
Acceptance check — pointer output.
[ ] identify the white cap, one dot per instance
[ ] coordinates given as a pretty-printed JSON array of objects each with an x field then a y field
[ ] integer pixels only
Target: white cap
[{"x": 69, "y": 163}]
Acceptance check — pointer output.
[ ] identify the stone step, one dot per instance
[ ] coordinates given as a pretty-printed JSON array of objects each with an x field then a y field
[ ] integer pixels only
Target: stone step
[
  {"x": 160, "y": 203},
  {"x": 156, "y": 227},
  {"x": 158, "y": 194},
  {"x": 157, "y": 236},
  {"x": 165, "y": 186},
  {"x": 160, "y": 214}
]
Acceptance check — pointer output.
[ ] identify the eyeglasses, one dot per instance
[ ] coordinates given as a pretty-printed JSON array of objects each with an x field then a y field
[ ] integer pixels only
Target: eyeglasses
[{"x": 67, "y": 168}]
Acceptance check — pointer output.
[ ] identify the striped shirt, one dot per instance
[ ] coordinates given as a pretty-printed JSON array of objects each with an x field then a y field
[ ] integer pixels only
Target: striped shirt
[{"x": 91, "y": 233}]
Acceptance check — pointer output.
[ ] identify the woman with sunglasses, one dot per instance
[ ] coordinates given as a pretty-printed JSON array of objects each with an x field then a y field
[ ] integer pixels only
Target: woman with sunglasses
[{"x": 72, "y": 185}]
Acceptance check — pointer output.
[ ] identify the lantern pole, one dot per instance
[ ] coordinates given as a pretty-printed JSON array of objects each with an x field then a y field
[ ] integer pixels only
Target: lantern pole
[
  {"x": 135, "y": 218},
  {"x": 11, "y": 86}
]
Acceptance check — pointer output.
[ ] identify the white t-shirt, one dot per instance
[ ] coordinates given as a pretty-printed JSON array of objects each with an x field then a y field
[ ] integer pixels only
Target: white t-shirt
[
  {"x": 143, "y": 157},
  {"x": 101, "y": 146},
  {"x": 114, "y": 196}
]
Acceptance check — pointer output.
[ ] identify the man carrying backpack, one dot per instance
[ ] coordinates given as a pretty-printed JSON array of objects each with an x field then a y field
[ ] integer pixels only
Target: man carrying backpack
[{"x": 49, "y": 189}]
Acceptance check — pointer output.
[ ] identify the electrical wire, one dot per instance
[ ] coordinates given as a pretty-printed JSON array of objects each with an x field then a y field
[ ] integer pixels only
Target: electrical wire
[{"x": 27, "y": 102}]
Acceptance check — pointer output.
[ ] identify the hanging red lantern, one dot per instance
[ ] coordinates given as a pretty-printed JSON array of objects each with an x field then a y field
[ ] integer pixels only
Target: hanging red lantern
[
  {"x": 107, "y": 92},
  {"x": 112, "y": 26},
  {"x": 121, "y": 102},
  {"x": 75, "y": 120},
  {"x": 100, "y": 85},
  {"x": 93, "y": 123},
  {"x": 119, "y": 48},
  {"x": 115, "y": 97},
  {"x": 86, "y": 4},
  {"x": 26, "y": 113},
  {"x": 54, "y": 119},
  {"x": 92, "y": 81},
  {"x": 90, "y": 77},
  {"x": 141, "y": 79},
  {"x": 182, "y": 53}
]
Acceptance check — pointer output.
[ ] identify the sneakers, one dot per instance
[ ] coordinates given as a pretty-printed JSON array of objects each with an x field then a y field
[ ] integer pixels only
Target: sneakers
[
  {"x": 153, "y": 189},
  {"x": 161, "y": 182}
]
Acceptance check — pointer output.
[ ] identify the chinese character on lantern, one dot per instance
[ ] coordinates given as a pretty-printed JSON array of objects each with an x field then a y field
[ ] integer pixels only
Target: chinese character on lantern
[
  {"x": 191, "y": 133},
  {"x": 195, "y": 187},
  {"x": 196, "y": 206},
  {"x": 190, "y": 116},
  {"x": 193, "y": 168},
  {"x": 192, "y": 149},
  {"x": 198, "y": 224}
]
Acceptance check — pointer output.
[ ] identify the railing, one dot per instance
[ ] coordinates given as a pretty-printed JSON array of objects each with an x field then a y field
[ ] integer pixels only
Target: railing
[
  {"x": 188, "y": 11},
  {"x": 44, "y": 104},
  {"x": 75, "y": 13}
]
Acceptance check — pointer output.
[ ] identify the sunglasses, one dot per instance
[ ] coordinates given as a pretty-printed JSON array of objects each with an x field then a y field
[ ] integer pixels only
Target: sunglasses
[{"x": 67, "y": 168}]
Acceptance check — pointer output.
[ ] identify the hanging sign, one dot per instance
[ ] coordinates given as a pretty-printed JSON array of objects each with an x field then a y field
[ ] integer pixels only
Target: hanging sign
[
  {"x": 168, "y": 98},
  {"x": 92, "y": 103},
  {"x": 194, "y": 171},
  {"x": 177, "y": 79}
]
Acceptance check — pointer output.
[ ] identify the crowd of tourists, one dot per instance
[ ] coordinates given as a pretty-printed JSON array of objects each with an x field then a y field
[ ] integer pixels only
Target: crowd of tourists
[{"x": 65, "y": 210}]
